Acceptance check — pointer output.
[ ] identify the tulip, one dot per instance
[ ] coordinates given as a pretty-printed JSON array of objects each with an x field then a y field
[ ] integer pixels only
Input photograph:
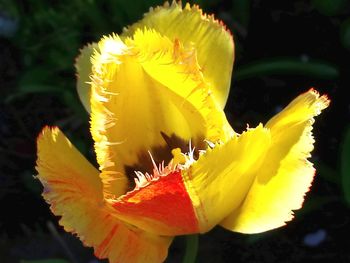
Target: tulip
[{"x": 169, "y": 162}]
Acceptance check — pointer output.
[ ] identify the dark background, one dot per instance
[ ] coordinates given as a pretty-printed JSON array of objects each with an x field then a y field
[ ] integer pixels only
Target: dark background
[{"x": 282, "y": 49}]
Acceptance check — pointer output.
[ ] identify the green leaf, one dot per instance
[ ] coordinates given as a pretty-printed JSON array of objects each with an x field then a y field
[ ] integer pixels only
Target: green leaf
[
  {"x": 35, "y": 75},
  {"x": 287, "y": 66},
  {"x": 38, "y": 88},
  {"x": 345, "y": 33},
  {"x": 28, "y": 89},
  {"x": 329, "y": 7},
  {"x": 345, "y": 165},
  {"x": 45, "y": 261}
]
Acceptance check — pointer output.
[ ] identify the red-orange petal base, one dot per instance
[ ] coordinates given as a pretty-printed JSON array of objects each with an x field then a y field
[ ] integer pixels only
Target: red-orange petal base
[{"x": 163, "y": 206}]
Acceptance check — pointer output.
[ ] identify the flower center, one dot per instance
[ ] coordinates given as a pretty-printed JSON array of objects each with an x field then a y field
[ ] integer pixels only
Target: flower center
[{"x": 172, "y": 151}]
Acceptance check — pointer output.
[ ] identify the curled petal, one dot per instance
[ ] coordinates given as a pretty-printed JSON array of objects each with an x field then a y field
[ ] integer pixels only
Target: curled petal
[
  {"x": 176, "y": 67},
  {"x": 286, "y": 174},
  {"x": 207, "y": 35},
  {"x": 219, "y": 181},
  {"x": 61, "y": 167},
  {"x": 73, "y": 189}
]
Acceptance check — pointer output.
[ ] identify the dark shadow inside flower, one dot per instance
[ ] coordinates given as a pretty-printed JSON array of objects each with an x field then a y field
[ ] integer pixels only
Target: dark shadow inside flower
[{"x": 161, "y": 154}]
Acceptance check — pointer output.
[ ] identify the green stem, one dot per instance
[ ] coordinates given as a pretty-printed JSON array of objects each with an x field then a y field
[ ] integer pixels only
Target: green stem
[
  {"x": 191, "y": 249},
  {"x": 275, "y": 66}
]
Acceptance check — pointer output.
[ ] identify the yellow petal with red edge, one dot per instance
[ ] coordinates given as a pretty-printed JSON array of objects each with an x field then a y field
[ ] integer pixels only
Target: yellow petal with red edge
[
  {"x": 286, "y": 174},
  {"x": 83, "y": 68},
  {"x": 74, "y": 191},
  {"x": 136, "y": 110},
  {"x": 208, "y": 36},
  {"x": 160, "y": 206},
  {"x": 219, "y": 180}
]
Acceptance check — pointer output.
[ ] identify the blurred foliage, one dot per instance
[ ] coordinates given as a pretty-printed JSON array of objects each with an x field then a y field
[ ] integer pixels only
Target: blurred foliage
[
  {"x": 287, "y": 66},
  {"x": 345, "y": 33},
  {"x": 39, "y": 41},
  {"x": 241, "y": 11},
  {"x": 330, "y": 7},
  {"x": 50, "y": 35},
  {"x": 345, "y": 165}
]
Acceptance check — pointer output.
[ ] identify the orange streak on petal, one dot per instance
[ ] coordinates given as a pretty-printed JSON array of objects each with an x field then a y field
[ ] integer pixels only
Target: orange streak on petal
[
  {"x": 102, "y": 248},
  {"x": 73, "y": 189},
  {"x": 162, "y": 207}
]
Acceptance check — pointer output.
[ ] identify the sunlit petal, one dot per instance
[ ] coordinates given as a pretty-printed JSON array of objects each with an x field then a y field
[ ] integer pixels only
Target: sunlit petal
[
  {"x": 218, "y": 182},
  {"x": 208, "y": 36},
  {"x": 286, "y": 174},
  {"x": 74, "y": 191}
]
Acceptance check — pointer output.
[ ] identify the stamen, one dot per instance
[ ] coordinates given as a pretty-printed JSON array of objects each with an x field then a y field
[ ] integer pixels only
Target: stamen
[
  {"x": 189, "y": 158},
  {"x": 162, "y": 170},
  {"x": 155, "y": 168},
  {"x": 191, "y": 151},
  {"x": 210, "y": 144},
  {"x": 144, "y": 179}
]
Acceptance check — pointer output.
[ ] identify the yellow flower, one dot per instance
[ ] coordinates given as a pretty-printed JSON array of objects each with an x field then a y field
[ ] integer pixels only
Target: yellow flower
[{"x": 169, "y": 162}]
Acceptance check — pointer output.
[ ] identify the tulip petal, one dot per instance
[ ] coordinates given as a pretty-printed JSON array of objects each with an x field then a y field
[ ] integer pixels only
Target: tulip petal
[
  {"x": 60, "y": 164},
  {"x": 186, "y": 80},
  {"x": 286, "y": 174},
  {"x": 83, "y": 67},
  {"x": 219, "y": 181},
  {"x": 127, "y": 93},
  {"x": 162, "y": 206},
  {"x": 74, "y": 191},
  {"x": 208, "y": 36}
]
